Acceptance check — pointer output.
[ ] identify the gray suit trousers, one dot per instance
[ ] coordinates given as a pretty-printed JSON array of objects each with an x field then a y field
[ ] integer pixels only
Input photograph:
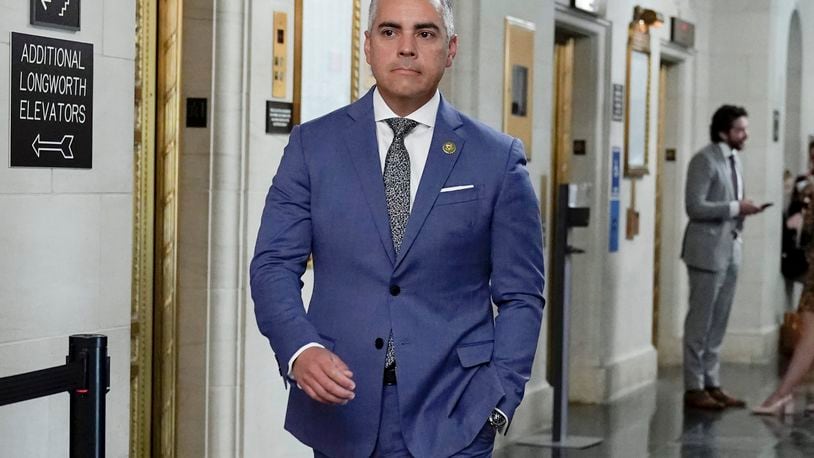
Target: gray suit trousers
[{"x": 711, "y": 295}]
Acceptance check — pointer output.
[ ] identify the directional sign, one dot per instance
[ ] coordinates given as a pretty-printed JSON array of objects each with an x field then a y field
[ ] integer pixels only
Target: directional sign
[
  {"x": 63, "y": 14},
  {"x": 51, "y": 102},
  {"x": 616, "y": 171},
  {"x": 613, "y": 226}
]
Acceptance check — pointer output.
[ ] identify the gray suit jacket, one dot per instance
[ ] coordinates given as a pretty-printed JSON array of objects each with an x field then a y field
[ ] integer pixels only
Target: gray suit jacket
[{"x": 709, "y": 236}]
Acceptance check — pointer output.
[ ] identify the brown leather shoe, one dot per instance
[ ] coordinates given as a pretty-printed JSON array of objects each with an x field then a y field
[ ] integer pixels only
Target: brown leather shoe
[
  {"x": 724, "y": 398},
  {"x": 701, "y": 399}
]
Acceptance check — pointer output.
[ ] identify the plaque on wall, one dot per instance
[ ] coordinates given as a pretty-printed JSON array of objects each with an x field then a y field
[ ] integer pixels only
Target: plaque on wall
[
  {"x": 580, "y": 148},
  {"x": 51, "y": 102},
  {"x": 682, "y": 32},
  {"x": 618, "y": 102},
  {"x": 518, "y": 81},
  {"x": 279, "y": 117},
  {"x": 196, "y": 112},
  {"x": 596, "y": 7}
]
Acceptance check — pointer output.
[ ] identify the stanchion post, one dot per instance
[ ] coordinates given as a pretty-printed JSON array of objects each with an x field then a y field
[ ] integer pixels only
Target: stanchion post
[
  {"x": 558, "y": 376},
  {"x": 570, "y": 213},
  {"x": 87, "y": 416}
]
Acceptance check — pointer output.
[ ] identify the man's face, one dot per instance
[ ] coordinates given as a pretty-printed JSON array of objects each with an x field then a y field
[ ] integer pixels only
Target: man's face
[
  {"x": 408, "y": 49},
  {"x": 736, "y": 136}
]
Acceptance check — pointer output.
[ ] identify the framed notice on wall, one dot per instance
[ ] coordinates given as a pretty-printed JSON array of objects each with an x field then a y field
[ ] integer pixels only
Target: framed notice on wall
[{"x": 518, "y": 81}]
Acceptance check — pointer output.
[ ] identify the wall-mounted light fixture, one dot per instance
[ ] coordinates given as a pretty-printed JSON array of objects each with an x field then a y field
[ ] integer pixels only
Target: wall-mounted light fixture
[{"x": 644, "y": 19}]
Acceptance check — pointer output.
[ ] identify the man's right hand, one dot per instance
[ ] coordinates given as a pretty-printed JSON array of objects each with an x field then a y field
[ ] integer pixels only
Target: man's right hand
[
  {"x": 747, "y": 207},
  {"x": 323, "y": 376}
]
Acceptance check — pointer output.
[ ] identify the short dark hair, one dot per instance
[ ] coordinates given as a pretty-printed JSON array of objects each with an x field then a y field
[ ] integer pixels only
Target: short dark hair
[
  {"x": 723, "y": 119},
  {"x": 444, "y": 8}
]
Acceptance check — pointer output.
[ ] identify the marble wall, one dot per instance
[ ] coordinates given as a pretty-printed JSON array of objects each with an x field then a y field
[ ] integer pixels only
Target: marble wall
[{"x": 66, "y": 239}]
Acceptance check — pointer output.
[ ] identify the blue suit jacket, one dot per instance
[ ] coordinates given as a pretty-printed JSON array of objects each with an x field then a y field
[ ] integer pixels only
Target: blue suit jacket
[{"x": 462, "y": 250}]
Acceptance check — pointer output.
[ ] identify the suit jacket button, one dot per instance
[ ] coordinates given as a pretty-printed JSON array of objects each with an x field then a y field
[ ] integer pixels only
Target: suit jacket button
[
  {"x": 379, "y": 343},
  {"x": 395, "y": 290}
]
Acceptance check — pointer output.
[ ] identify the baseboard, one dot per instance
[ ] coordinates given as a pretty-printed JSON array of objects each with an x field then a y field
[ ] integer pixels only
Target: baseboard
[
  {"x": 597, "y": 385},
  {"x": 743, "y": 347},
  {"x": 671, "y": 351},
  {"x": 752, "y": 346}
]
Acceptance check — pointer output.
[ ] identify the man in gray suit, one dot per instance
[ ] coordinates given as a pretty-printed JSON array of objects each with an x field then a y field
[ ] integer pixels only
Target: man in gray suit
[{"x": 716, "y": 207}]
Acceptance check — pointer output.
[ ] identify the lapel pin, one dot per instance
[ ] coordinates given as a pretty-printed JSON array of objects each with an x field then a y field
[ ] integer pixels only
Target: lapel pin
[{"x": 449, "y": 148}]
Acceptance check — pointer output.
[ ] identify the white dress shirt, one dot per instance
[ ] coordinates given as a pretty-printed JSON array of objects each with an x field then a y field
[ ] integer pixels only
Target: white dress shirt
[
  {"x": 734, "y": 206},
  {"x": 417, "y": 143}
]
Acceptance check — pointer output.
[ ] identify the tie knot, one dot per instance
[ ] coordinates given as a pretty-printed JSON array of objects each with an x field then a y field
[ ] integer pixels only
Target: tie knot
[{"x": 401, "y": 126}]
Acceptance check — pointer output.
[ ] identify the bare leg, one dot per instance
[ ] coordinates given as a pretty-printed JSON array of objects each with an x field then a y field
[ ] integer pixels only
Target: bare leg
[{"x": 800, "y": 361}]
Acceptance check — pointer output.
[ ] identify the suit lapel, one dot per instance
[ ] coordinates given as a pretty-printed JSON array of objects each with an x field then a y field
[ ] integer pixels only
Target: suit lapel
[
  {"x": 363, "y": 148},
  {"x": 436, "y": 170}
]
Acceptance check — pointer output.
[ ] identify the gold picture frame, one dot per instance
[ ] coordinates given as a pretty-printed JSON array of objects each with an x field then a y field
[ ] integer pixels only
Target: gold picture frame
[
  {"x": 637, "y": 104},
  {"x": 518, "y": 81}
]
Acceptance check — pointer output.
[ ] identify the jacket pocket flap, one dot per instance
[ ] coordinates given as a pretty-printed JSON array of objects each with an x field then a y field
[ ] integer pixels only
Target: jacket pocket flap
[{"x": 476, "y": 353}]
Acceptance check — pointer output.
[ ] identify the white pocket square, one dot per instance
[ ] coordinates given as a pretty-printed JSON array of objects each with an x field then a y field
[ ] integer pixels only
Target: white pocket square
[{"x": 458, "y": 188}]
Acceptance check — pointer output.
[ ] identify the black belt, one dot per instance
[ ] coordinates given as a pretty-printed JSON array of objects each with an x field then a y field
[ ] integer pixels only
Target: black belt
[{"x": 390, "y": 375}]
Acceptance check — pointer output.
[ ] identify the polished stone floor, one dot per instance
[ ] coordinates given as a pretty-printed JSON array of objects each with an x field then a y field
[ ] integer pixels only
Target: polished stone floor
[{"x": 653, "y": 423}]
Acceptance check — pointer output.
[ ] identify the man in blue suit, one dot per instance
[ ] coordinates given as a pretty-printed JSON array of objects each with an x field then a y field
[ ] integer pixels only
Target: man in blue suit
[{"x": 418, "y": 219}]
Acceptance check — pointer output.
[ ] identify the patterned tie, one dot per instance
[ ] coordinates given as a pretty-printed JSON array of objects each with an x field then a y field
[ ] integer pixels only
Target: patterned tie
[{"x": 397, "y": 192}]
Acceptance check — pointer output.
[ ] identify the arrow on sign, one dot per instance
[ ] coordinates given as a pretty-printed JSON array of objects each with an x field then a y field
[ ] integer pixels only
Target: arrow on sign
[
  {"x": 63, "y": 146},
  {"x": 44, "y": 6}
]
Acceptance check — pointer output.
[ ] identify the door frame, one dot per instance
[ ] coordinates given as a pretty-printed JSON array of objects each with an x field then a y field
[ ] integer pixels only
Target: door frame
[
  {"x": 153, "y": 352},
  {"x": 587, "y": 333},
  {"x": 673, "y": 300}
]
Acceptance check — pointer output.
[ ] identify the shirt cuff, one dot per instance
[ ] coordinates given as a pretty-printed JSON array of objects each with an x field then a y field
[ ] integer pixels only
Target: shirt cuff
[
  {"x": 298, "y": 353},
  {"x": 734, "y": 208}
]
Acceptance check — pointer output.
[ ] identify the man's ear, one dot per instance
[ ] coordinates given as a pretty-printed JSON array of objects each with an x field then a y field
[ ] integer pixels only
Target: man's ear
[
  {"x": 367, "y": 47},
  {"x": 452, "y": 50}
]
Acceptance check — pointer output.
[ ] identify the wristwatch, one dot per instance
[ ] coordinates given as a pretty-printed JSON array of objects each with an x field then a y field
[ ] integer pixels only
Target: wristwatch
[{"x": 498, "y": 421}]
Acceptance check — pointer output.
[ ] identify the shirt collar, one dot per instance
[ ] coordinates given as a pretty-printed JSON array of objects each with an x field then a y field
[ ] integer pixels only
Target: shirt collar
[
  {"x": 726, "y": 150},
  {"x": 424, "y": 115}
]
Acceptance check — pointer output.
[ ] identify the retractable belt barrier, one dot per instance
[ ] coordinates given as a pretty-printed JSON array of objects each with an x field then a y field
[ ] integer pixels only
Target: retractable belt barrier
[{"x": 86, "y": 378}]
